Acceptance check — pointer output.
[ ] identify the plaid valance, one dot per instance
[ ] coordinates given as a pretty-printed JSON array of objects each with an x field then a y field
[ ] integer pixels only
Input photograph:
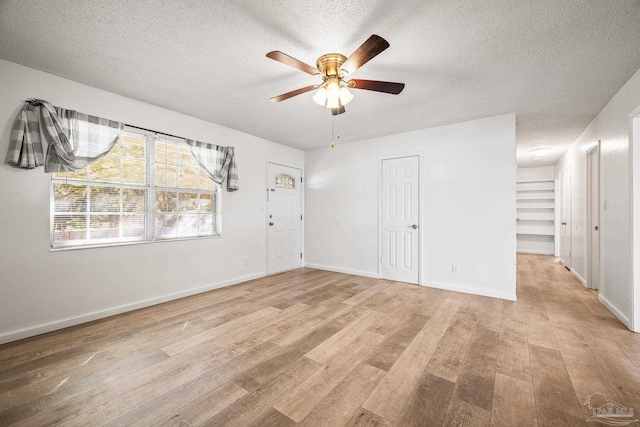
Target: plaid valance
[
  {"x": 217, "y": 161},
  {"x": 71, "y": 140}
]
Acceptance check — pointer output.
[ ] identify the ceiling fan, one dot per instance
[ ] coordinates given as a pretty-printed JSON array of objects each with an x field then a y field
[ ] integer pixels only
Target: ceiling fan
[{"x": 334, "y": 68}]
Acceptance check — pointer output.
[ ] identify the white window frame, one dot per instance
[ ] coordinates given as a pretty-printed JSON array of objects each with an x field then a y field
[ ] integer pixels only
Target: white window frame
[{"x": 150, "y": 212}]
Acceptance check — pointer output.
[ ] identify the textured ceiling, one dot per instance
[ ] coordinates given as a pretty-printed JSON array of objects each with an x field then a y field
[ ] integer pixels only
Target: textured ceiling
[{"x": 554, "y": 63}]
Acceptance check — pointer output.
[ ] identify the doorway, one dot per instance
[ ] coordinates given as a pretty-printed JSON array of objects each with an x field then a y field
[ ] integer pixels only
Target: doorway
[
  {"x": 593, "y": 217},
  {"x": 565, "y": 218},
  {"x": 284, "y": 218},
  {"x": 400, "y": 223}
]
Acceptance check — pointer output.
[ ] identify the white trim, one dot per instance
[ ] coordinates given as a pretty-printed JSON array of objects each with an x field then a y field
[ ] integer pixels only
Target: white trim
[
  {"x": 612, "y": 308},
  {"x": 594, "y": 150},
  {"x": 381, "y": 159},
  {"x": 634, "y": 176},
  {"x": 343, "y": 270},
  {"x": 30, "y": 331},
  {"x": 475, "y": 291},
  {"x": 556, "y": 219},
  {"x": 580, "y": 279},
  {"x": 455, "y": 288},
  {"x": 531, "y": 251}
]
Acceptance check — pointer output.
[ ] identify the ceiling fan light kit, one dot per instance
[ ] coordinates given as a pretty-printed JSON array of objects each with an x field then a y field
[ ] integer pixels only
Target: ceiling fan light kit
[{"x": 333, "y": 68}]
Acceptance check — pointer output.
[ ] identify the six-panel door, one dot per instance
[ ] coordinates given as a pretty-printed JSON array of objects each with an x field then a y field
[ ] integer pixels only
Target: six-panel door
[{"x": 400, "y": 222}]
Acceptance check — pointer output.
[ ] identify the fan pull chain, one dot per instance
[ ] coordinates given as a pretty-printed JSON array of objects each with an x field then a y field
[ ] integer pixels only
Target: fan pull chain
[
  {"x": 338, "y": 126},
  {"x": 333, "y": 144}
]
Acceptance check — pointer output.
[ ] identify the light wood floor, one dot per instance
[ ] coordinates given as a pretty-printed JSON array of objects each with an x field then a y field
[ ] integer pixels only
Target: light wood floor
[{"x": 316, "y": 348}]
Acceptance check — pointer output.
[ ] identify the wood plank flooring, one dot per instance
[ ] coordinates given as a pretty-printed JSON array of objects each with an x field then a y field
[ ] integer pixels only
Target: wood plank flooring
[{"x": 316, "y": 348}]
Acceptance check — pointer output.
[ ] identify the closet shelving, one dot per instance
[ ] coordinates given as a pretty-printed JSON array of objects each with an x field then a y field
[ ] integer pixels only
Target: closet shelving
[{"x": 535, "y": 227}]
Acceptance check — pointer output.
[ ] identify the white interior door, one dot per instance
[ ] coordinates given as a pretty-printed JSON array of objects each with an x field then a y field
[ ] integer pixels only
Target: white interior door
[
  {"x": 593, "y": 219},
  {"x": 565, "y": 218},
  {"x": 400, "y": 219},
  {"x": 284, "y": 219}
]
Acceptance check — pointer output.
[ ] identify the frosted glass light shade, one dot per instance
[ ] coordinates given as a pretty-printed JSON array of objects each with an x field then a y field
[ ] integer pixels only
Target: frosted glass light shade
[
  {"x": 320, "y": 97},
  {"x": 345, "y": 96},
  {"x": 333, "y": 91},
  {"x": 541, "y": 151},
  {"x": 333, "y": 103}
]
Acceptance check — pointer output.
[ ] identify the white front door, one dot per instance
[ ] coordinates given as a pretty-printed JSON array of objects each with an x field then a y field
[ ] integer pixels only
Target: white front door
[
  {"x": 284, "y": 219},
  {"x": 400, "y": 219},
  {"x": 593, "y": 218},
  {"x": 565, "y": 218}
]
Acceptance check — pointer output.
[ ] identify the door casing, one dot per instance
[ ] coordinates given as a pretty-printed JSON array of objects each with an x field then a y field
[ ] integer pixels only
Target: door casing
[
  {"x": 565, "y": 216},
  {"x": 593, "y": 202}
]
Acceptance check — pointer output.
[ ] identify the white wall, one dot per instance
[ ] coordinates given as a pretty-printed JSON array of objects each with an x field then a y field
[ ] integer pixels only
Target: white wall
[
  {"x": 467, "y": 188},
  {"x": 612, "y": 126},
  {"x": 42, "y": 290}
]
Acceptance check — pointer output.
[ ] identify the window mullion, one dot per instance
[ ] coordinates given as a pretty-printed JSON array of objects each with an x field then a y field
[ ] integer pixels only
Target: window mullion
[
  {"x": 151, "y": 185},
  {"x": 88, "y": 220},
  {"x": 121, "y": 222}
]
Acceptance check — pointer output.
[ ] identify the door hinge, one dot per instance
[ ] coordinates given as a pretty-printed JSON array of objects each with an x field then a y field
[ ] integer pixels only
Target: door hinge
[
  {"x": 300, "y": 217},
  {"x": 300, "y": 254},
  {"x": 380, "y": 260},
  {"x": 300, "y": 179}
]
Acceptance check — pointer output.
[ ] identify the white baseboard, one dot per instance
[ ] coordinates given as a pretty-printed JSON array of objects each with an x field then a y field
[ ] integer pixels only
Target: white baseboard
[
  {"x": 31, "y": 331},
  {"x": 475, "y": 291},
  {"x": 448, "y": 287},
  {"x": 612, "y": 308},
  {"x": 577, "y": 276},
  {"x": 342, "y": 270},
  {"x": 530, "y": 251}
]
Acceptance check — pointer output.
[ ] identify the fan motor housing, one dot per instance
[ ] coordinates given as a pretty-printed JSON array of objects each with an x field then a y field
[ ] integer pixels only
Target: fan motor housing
[{"x": 330, "y": 64}]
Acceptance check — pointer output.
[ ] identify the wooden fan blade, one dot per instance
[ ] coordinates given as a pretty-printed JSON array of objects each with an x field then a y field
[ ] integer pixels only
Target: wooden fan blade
[
  {"x": 292, "y": 93},
  {"x": 369, "y": 49},
  {"x": 336, "y": 111},
  {"x": 378, "y": 86},
  {"x": 276, "y": 55}
]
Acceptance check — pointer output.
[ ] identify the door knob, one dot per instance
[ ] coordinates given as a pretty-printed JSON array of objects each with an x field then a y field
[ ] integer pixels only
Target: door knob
[
  {"x": 270, "y": 223},
  {"x": 414, "y": 226},
  {"x": 563, "y": 223}
]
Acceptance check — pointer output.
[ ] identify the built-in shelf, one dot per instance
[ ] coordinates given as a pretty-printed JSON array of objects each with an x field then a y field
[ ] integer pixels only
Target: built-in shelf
[
  {"x": 535, "y": 196},
  {"x": 535, "y": 244},
  {"x": 535, "y": 204},
  {"x": 535, "y": 216},
  {"x": 535, "y": 228},
  {"x": 527, "y": 181}
]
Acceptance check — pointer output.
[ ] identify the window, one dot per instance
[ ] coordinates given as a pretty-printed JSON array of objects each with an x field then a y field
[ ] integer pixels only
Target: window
[
  {"x": 285, "y": 181},
  {"x": 148, "y": 188},
  {"x": 185, "y": 196}
]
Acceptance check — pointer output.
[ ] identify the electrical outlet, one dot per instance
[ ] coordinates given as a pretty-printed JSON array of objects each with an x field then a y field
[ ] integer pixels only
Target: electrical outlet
[
  {"x": 244, "y": 261},
  {"x": 454, "y": 269}
]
